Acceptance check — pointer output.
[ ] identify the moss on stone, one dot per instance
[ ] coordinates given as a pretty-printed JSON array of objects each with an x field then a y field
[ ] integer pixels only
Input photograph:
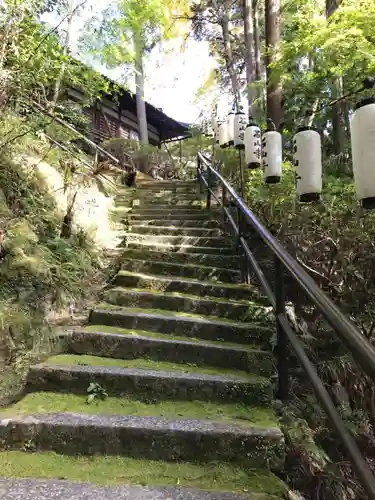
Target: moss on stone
[
  {"x": 167, "y": 336},
  {"x": 231, "y": 413},
  {"x": 121, "y": 470},
  {"x": 148, "y": 364}
]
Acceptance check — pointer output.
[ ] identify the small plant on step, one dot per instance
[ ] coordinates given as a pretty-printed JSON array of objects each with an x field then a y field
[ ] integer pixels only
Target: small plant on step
[{"x": 96, "y": 392}]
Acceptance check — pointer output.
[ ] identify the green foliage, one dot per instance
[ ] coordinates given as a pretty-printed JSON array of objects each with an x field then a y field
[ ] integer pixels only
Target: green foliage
[
  {"x": 39, "y": 271},
  {"x": 96, "y": 392},
  {"x": 334, "y": 241}
]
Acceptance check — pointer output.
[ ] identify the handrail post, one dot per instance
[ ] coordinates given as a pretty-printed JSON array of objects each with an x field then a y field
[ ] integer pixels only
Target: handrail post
[
  {"x": 282, "y": 340},
  {"x": 224, "y": 202},
  {"x": 244, "y": 268},
  {"x": 209, "y": 179}
]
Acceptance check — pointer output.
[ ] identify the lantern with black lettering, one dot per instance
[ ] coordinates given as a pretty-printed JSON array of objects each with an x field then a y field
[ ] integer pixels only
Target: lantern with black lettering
[
  {"x": 362, "y": 130},
  {"x": 230, "y": 129},
  {"x": 307, "y": 156},
  {"x": 253, "y": 145},
  {"x": 240, "y": 121},
  {"x": 272, "y": 155}
]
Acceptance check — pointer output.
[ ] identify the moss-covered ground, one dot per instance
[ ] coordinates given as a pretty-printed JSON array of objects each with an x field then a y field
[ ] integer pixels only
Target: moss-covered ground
[{"x": 108, "y": 470}]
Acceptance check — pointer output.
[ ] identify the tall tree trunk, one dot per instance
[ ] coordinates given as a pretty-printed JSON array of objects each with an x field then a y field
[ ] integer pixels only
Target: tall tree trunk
[
  {"x": 228, "y": 52},
  {"x": 258, "y": 71},
  {"x": 249, "y": 55},
  {"x": 140, "y": 91},
  {"x": 66, "y": 42},
  {"x": 273, "y": 33},
  {"x": 337, "y": 110}
]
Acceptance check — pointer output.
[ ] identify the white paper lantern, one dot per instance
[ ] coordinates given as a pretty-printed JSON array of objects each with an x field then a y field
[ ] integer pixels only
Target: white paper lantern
[
  {"x": 223, "y": 134},
  {"x": 240, "y": 121},
  {"x": 307, "y": 156},
  {"x": 272, "y": 156},
  {"x": 230, "y": 129},
  {"x": 362, "y": 129},
  {"x": 253, "y": 145}
]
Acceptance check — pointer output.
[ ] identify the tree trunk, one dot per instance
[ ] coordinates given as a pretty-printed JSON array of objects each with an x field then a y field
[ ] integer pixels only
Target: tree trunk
[
  {"x": 249, "y": 55},
  {"x": 228, "y": 52},
  {"x": 140, "y": 91},
  {"x": 337, "y": 110},
  {"x": 274, "y": 91},
  {"x": 66, "y": 42},
  {"x": 258, "y": 71},
  {"x": 338, "y": 120}
]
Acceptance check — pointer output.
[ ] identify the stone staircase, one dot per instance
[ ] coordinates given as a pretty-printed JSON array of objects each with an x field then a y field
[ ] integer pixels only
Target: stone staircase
[{"x": 166, "y": 393}]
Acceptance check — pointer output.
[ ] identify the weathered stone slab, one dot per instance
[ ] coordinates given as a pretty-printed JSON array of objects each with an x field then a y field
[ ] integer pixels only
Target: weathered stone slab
[
  {"x": 143, "y": 261},
  {"x": 240, "y": 333},
  {"x": 122, "y": 346},
  {"x": 184, "y": 285},
  {"x": 178, "y": 241},
  {"x": 39, "y": 489},
  {"x": 148, "y": 384},
  {"x": 181, "y": 247},
  {"x": 149, "y": 438},
  {"x": 182, "y": 303},
  {"x": 172, "y": 230}
]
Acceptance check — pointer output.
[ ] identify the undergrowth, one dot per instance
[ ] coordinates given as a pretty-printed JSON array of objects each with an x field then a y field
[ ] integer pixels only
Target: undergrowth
[
  {"x": 40, "y": 272},
  {"x": 334, "y": 240}
]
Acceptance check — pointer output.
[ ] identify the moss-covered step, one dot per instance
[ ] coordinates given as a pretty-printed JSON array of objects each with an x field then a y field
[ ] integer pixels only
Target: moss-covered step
[
  {"x": 111, "y": 470},
  {"x": 175, "y": 230},
  {"x": 38, "y": 489},
  {"x": 182, "y": 302},
  {"x": 130, "y": 344},
  {"x": 149, "y": 438},
  {"x": 170, "y": 269},
  {"x": 180, "y": 215},
  {"x": 155, "y": 246},
  {"x": 190, "y": 325},
  {"x": 259, "y": 417},
  {"x": 169, "y": 284},
  {"x": 178, "y": 241},
  {"x": 177, "y": 201},
  {"x": 180, "y": 223},
  {"x": 146, "y": 384},
  {"x": 169, "y": 209},
  {"x": 190, "y": 255}
]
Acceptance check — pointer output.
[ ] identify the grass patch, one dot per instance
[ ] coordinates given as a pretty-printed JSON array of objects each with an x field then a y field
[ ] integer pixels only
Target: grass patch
[
  {"x": 47, "y": 402},
  {"x": 121, "y": 470},
  {"x": 146, "y": 364}
]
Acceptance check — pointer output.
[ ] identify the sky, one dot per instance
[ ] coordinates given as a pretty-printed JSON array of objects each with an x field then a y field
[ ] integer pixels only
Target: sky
[{"x": 172, "y": 77}]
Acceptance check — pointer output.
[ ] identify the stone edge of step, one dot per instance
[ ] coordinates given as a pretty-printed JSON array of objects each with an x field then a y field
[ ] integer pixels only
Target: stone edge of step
[
  {"x": 184, "y": 426},
  {"x": 136, "y": 373},
  {"x": 41, "y": 489}
]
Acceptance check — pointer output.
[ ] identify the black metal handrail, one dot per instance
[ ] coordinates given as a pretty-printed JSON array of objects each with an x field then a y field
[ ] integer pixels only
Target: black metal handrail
[{"x": 358, "y": 345}]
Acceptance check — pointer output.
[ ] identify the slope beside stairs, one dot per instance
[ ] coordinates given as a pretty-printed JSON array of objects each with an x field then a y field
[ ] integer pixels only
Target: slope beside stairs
[{"x": 178, "y": 362}]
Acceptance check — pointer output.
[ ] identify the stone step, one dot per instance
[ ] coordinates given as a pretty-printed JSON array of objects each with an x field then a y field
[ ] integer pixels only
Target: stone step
[
  {"x": 170, "y": 269},
  {"x": 167, "y": 195},
  {"x": 54, "y": 489},
  {"x": 180, "y": 223},
  {"x": 200, "y": 256},
  {"x": 170, "y": 209},
  {"x": 168, "y": 216},
  {"x": 177, "y": 202},
  {"x": 145, "y": 437},
  {"x": 181, "y": 241},
  {"x": 156, "y": 247},
  {"x": 128, "y": 344},
  {"x": 171, "y": 230},
  {"x": 150, "y": 385},
  {"x": 179, "y": 324},
  {"x": 164, "y": 185},
  {"x": 184, "y": 285},
  {"x": 223, "y": 308}
]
